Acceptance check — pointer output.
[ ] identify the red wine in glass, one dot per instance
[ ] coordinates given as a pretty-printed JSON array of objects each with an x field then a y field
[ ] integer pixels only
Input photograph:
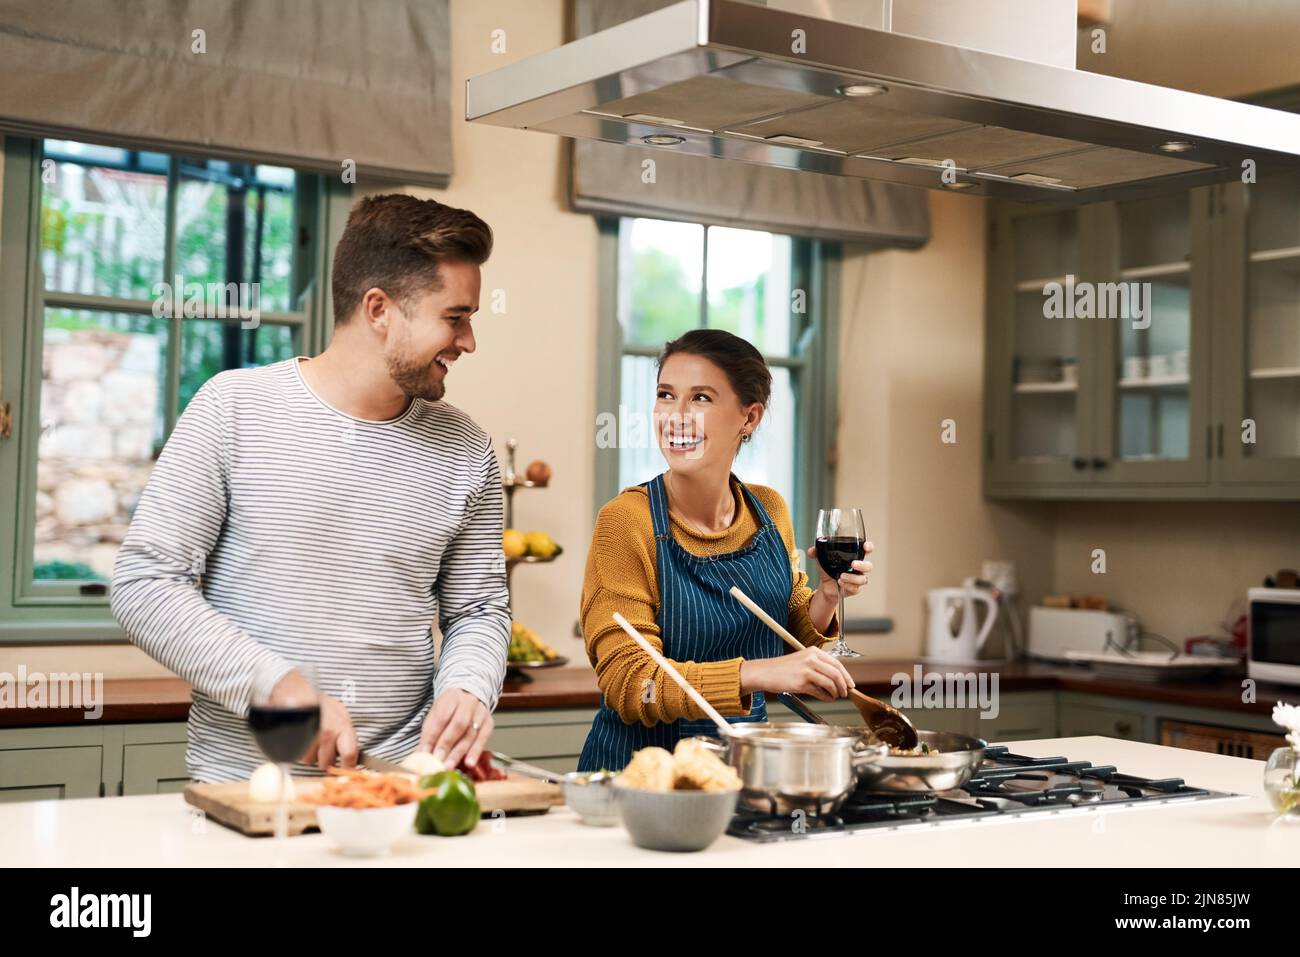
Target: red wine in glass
[
  {"x": 284, "y": 734},
  {"x": 284, "y": 725},
  {"x": 837, "y": 554},
  {"x": 841, "y": 541}
]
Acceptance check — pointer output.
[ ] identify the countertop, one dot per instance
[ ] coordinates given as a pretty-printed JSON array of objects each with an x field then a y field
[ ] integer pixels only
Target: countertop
[
  {"x": 168, "y": 699},
  {"x": 161, "y": 831}
]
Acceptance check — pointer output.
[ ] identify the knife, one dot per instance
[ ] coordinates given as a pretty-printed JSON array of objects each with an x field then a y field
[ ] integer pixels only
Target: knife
[{"x": 374, "y": 762}]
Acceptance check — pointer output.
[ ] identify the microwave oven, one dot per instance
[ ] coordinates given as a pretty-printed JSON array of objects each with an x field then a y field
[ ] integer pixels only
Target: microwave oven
[{"x": 1273, "y": 634}]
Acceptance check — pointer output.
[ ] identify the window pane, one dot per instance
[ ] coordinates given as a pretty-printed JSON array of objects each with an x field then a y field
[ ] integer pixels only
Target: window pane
[
  {"x": 276, "y": 250},
  {"x": 209, "y": 346},
  {"x": 768, "y": 458},
  {"x": 639, "y": 458},
  {"x": 102, "y": 231},
  {"x": 201, "y": 231},
  {"x": 234, "y": 224},
  {"x": 660, "y": 265},
  {"x": 749, "y": 286},
  {"x": 102, "y": 391}
]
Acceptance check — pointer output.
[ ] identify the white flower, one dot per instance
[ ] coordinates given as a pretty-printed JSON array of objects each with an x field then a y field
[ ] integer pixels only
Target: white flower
[
  {"x": 1293, "y": 739},
  {"x": 1287, "y": 715}
]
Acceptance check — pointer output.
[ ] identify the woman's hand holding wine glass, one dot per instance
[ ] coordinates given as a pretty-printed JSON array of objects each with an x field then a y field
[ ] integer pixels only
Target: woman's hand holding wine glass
[
  {"x": 841, "y": 552},
  {"x": 851, "y": 582}
]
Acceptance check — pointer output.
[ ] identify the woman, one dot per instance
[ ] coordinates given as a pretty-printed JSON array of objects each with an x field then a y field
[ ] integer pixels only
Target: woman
[{"x": 666, "y": 554}]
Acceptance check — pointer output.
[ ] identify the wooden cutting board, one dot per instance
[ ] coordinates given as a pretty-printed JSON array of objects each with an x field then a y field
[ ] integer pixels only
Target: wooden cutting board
[{"x": 230, "y": 805}]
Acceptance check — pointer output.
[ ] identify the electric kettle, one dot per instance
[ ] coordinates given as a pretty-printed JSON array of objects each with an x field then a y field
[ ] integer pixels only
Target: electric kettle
[{"x": 955, "y": 636}]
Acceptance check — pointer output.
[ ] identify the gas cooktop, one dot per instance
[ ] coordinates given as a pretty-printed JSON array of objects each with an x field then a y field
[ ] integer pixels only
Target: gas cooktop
[{"x": 1005, "y": 784}]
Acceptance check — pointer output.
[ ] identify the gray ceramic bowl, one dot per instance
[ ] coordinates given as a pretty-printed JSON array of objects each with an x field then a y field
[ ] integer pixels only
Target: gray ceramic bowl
[
  {"x": 594, "y": 802},
  {"x": 675, "y": 820}
]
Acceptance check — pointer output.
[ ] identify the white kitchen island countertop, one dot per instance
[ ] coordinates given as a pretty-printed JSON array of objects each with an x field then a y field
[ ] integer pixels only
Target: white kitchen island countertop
[{"x": 161, "y": 831}]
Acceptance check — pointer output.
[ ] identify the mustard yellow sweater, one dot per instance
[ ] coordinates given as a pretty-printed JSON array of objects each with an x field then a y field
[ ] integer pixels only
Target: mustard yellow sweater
[{"x": 621, "y": 577}]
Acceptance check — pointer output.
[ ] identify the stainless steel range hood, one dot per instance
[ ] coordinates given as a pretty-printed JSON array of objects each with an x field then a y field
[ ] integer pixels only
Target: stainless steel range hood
[{"x": 719, "y": 78}]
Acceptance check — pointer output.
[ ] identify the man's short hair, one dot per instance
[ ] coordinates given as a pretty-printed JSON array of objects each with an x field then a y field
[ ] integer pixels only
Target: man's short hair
[{"x": 397, "y": 242}]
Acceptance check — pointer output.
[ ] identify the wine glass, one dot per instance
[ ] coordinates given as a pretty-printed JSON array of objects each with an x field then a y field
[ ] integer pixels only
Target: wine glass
[
  {"x": 284, "y": 727},
  {"x": 841, "y": 540}
]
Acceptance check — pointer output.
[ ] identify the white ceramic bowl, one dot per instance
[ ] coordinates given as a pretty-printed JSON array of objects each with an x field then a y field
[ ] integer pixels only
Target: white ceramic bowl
[{"x": 366, "y": 832}]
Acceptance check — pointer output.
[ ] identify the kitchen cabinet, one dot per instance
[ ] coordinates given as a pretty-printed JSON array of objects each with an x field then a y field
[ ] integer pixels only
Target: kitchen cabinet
[
  {"x": 50, "y": 773},
  {"x": 1022, "y": 716},
  {"x": 1257, "y": 428},
  {"x": 153, "y": 759},
  {"x": 551, "y": 738},
  {"x": 1092, "y": 392},
  {"x": 1142, "y": 720},
  {"x": 39, "y": 764},
  {"x": 71, "y": 762},
  {"x": 1081, "y": 719}
]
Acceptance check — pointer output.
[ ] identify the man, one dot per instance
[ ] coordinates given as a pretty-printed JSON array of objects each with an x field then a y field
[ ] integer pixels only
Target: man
[{"x": 332, "y": 507}]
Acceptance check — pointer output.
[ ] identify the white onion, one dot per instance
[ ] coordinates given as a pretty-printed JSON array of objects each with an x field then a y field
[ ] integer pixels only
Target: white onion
[{"x": 264, "y": 785}]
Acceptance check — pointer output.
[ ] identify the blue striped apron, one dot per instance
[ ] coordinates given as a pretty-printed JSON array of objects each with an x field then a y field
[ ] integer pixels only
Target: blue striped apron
[{"x": 699, "y": 621}]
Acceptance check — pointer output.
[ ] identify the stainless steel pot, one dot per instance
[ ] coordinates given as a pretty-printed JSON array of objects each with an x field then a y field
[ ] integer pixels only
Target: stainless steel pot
[{"x": 789, "y": 766}]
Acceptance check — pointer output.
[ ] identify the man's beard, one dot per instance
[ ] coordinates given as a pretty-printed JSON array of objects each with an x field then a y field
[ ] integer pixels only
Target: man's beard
[{"x": 416, "y": 381}]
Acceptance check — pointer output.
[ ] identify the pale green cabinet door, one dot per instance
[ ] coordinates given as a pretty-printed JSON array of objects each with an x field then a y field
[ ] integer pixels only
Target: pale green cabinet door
[
  {"x": 1078, "y": 720},
  {"x": 154, "y": 769},
  {"x": 40, "y": 774},
  {"x": 1257, "y": 437},
  {"x": 1038, "y": 368},
  {"x": 1021, "y": 716},
  {"x": 1152, "y": 376},
  {"x": 548, "y": 738}
]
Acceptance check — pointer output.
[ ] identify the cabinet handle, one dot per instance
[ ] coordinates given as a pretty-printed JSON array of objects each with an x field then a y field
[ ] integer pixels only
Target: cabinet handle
[
  {"x": 1220, "y": 440},
  {"x": 1080, "y": 464},
  {"x": 1123, "y": 727},
  {"x": 1100, "y": 463}
]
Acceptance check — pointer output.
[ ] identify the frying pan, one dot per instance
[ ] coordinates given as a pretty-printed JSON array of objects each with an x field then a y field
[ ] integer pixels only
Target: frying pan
[{"x": 960, "y": 755}]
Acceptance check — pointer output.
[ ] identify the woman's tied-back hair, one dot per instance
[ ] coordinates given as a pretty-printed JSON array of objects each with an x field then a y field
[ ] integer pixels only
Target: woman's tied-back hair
[{"x": 743, "y": 365}]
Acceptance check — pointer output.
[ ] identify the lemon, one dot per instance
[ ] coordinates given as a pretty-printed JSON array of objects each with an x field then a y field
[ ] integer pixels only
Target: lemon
[
  {"x": 514, "y": 542},
  {"x": 540, "y": 544}
]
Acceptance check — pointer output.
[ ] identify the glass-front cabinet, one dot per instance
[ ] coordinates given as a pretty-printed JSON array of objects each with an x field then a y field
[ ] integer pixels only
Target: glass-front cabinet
[
  {"x": 1147, "y": 348},
  {"x": 1151, "y": 340},
  {"x": 1258, "y": 436},
  {"x": 1041, "y": 428}
]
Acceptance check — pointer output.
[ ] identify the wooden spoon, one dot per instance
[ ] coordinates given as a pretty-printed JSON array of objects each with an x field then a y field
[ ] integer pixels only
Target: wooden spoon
[{"x": 888, "y": 724}]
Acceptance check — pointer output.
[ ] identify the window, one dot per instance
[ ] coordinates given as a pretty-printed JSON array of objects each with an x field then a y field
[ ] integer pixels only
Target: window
[
  {"x": 670, "y": 277},
  {"x": 145, "y": 274}
]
